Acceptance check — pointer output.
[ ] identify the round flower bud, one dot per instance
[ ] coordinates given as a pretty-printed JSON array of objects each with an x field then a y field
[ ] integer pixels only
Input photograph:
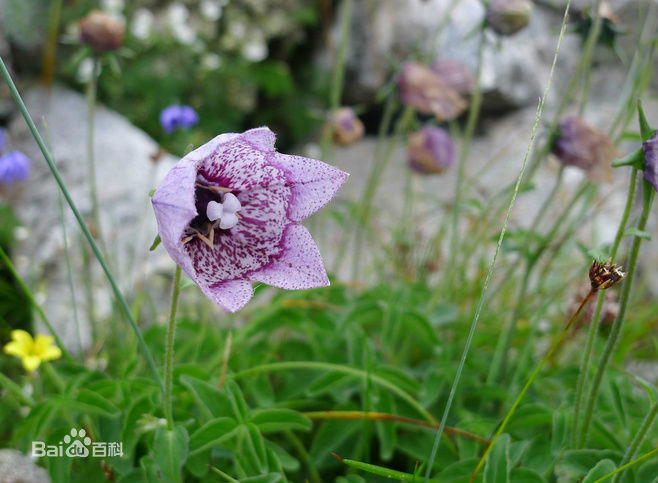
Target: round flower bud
[
  {"x": 507, "y": 17},
  {"x": 427, "y": 93},
  {"x": 345, "y": 126},
  {"x": 650, "y": 148},
  {"x": 430, "y": 150},
  {"x": 579, "y": 144},
  {"x": 455, "y": 75},
  {"x": 101, "y": 31}
]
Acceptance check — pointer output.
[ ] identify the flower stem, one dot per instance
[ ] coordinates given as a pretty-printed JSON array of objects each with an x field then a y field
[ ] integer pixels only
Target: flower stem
[
  {"x": 91, "y": 163},
  {"x": 615, "y": 333},
  {"x": 532, "y": 378},
  {"x": 169, "y": 351},
  {"x": 594, "y": 326},
  {"x": 46, "y": 154},
  {"x": 478, "y": 310},
  {"x": 42, "y": 315},
  {"x": 473, "y": 115},
  {"x": 637, "y": 440}
]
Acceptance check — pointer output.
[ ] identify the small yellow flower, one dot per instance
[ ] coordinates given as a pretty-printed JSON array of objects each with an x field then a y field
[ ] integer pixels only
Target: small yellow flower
[{"x": 32, "y": 351}]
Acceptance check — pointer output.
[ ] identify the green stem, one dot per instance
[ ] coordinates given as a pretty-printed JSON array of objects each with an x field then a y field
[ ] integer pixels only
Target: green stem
[
  {"x": 478, "y": 310},
  {"x": 169, "y": 351},
  {"x": 91, "y": 164},
  {"x": 339, "y": 72},
  {"x": 637, "y": 440},
  {"x": 627, "y": 465},
  {"x": 42, "y": 315},
  {"x": 532, "y": 378},
  {"x": 304, "y": 456},
  {"x": 588, "y": 50},
  {"x": 594, "y": 326},
  {"x": 325, "y": 366},
  {"x": 473, "y": 115},
  {"x": 613, "y": 338},
  {"x": 46, "y": 154}
]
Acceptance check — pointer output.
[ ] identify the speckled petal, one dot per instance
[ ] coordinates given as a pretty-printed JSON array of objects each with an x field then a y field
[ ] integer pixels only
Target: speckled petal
[
  {"x": 173, "y": 203},
  {"x": 261, "y": 138},
  {"x": 299, "y": 266},
  {"x": 231, "y": 295},
  {"x": 313, "y": 183}
]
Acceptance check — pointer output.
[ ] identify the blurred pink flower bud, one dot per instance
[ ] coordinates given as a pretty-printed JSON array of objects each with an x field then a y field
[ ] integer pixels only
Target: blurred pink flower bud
[
  {"x": 430, "y": 150},
  {"x": 507, "y": 17},
  {"x": 101, "y": 31},
  {"x": 427, "y": 93},
  {"x": 345, "y": 126},
  {"x": 455, "y": 75}
]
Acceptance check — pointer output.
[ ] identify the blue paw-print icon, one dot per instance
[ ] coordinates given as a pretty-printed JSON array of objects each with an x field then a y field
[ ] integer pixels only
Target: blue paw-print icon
[{"x": 78, "y": 443}]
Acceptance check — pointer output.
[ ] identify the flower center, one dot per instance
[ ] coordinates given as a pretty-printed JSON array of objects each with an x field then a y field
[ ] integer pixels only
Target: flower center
[
  {"x": 225, "y": 212},
  {"x": 217, "y": 209}
]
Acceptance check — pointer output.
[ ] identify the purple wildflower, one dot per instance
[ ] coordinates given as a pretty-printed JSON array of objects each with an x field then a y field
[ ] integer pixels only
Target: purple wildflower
[
  {"x": 579, "y": 144},
  {"x": 345, "y": 126},
  {"x": 175, "y": 116},
  {"x": 650, "y": 148},
  {"x": 455, "y": 75},
  {"x": 228, "y": 214},
  {"x": 507, "y": 17},
  {"x": 427, "y": 93},
  {"x": 430, "y": 150},
  {"x": 14, "y": 166}
]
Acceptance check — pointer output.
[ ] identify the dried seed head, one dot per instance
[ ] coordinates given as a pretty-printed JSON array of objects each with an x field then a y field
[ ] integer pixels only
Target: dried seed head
[
  {"x": 101, "y": 31},
  {"x": 605, "y": 275}
]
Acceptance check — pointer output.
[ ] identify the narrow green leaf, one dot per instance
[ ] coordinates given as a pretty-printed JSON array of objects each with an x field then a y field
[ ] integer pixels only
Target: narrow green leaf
[
  {"x": 601, "y": 469},
  {"x": 255, "y": 447},
  {"x": 526, "y": 475},
  {"x": 645, "y": 129},
  {"x": 635, "y": 159},
  {"x": 211, "y": 400},
  {"x": 156, "y": 242},
  {"x": 279, "y": 419},
  {"x": 213, "y": 433},
  {"x": 497, "y": 468},
  {"x": 170, "y": 452},
  {"x": 236, "y": 399},
  {"x": 633, "y": 231},
  {"x": 385, "y": 472}
]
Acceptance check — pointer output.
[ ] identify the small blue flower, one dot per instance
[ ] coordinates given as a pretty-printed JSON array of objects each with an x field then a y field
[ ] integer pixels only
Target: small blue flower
[
  {"x": 14, "y": 166},
  {"x": 3, "y": 138},
  {"x": 176, "y": 116}
]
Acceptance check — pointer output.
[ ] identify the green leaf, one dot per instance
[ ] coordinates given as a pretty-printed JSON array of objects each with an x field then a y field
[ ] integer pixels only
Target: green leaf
[
  {"x": 266, "y": 478},
  {"x": 156, "y": 241},
  {"x": 288, "y": 462},
  {"x": 497, "y": 468},
  {"x": 279, "y": 419},
  {"x": 96, "y": 403},
  {"x": 212, "y": 433},
  {"x": 211, "y": 400},
  {"x": 236, "y": 399},
  {"x": 150, "y": 469},
  {"x": 170, "y": 452},
  {"x": 459, "y": 472},
  {"x": 645, "y": 129},
  {"x": 526, "y": 475},
  {"x": 633, "y": 231},
  {"x": 601, "y": 469},
  {"x": 648, "y": 473},
  {"x": 255, "y": 447},
  {"x": 386, "y": 430},
  {"x": 635, "y": 159}
]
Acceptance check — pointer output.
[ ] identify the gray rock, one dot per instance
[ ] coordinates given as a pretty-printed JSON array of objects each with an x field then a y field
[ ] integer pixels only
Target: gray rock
[
  {"x": 125, "y": 174},
  {"x": 15, "y": 467}
]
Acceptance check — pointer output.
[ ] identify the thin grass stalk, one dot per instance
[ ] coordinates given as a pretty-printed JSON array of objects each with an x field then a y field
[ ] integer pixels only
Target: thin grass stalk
[
  {"x": 617, "y": 326},
  {"x": 28, "y": 293},
  {"x": 471, "y": 122},
  {"x": 532, "y": 378},
  {"x": 169, "y": 351},
  {"x": 476, "y": 317},
  {"x": 504, "y": 343},
  {"x": 641, "y": 434},
  {"x": 46, "y": 154},
  {"x": 594, "y": 326}
]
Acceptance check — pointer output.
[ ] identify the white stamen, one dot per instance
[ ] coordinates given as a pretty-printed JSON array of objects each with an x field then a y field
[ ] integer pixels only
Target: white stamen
[
  {"x": 225, "y": 212},
  {"x": 214, "y": 210}
]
